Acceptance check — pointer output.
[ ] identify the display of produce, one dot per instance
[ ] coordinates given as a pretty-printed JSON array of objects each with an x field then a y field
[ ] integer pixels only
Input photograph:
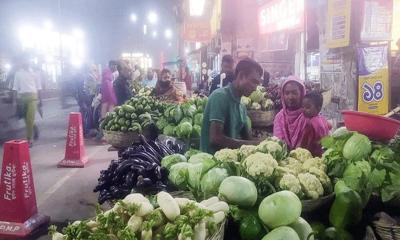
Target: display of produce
[
  {"x": 139, "y": 169},
  {"x": 160, "y": 217},
  {"x": 184, "y": 120},
  {"x": 258, "y": 100},
  {"x": 136, "y": 114}
]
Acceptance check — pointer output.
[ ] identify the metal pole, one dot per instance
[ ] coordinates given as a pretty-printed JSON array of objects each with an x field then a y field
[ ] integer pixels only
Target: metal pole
[{"x": 60, "y": 38}]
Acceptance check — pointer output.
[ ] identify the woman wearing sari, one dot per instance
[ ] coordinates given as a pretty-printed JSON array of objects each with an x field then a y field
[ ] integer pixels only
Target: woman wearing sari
[{"x": 292, "y": 126}]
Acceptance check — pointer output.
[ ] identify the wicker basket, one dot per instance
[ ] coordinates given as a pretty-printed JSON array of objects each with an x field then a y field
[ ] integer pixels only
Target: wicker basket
[
  {"x": 261, "y": 118},
  {"x": 387, "y": 232},
  {"x": 120, "y": 139},
  {"x": 312, "y": 205}
]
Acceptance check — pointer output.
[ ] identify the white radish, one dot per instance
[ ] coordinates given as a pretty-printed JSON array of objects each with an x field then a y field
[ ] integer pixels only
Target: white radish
[
  {"x": 76, "y": 223},
  {"x": 219, "y": 206},
  {"x": 182, "y": 202},
  {"x": 210, "y": 201},
  {"x": 117, "y": 207},
  {"x": 147, "y": 235},
  {"x": 168, "y": 205},
  {"x": 135, "y": 198},
  {"x": 134, "y": 223},
  {"x": 57, "y": 236},
  {"x": 200, "y": 231},
  {"x": 92, "y": 224},
  {"x": 218, "y": 217},
  {"x": 145, "y": 208}
]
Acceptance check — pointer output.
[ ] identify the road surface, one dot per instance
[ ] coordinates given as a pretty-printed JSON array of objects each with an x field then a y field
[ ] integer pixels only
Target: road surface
[{"x": 64, "y": 194}]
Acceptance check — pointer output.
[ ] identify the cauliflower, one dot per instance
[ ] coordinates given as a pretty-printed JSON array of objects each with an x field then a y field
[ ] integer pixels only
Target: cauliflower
[
  {"x": 291, "y": 183},
  {"x": 267, "y": 104},
  {"x": 227, "y": 155},
  {"x": 260, "y": 165},
  {"x": 323, "y": 178},
  {"x": 311, "y": 186},
  {"x": 280, "y": 171},
  {"x": 257, "y": 96},
  {"x": 245, "y": 101},
  {"x": 246, "y": 150},
  {"x": 314, "y": 162},
  {"x": 300, "y": 154},
  {"x": 255, "y": 106},
  {"x": 271, "y": 147},
  {"x": 292, "y": 164}
]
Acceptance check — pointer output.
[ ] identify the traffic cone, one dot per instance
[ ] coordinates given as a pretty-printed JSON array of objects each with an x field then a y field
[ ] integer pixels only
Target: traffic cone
[
  {"x": 18, "y": 210},
  {"x": 75, "y": 155}
]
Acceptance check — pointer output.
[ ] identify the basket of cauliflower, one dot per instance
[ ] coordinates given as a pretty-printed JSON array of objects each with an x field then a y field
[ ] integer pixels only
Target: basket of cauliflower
[{"x": 260, "y": 108}]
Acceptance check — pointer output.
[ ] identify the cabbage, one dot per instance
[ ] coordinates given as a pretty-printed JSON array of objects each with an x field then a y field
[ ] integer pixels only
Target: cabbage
[
  {"x": 191, "y": 152},
  {"x": 199, "y": 157},
  {"x": 357, "y": 148},
  {"x": 282, "y": 233},
  {"x": 184, "y": 130},
  {"x": 198, "y": 119},
  {"x": 245, "y": 101},
  {"x": 340, "y": 132},
  {"x": 280, "y": 209},
  {"x": 161, "y": 123},
  {"x": 196, "y": 171},
  {"x": 178, "y": 174},
  {"x": 170, "y": 160},
  {"x": 238, "y": 191},
  {"x": 196, "y": 132},
  {"x": 169, "y": 130},
  {"x": 186, "y": 119},
  {"x": 355, "y": 174},
  {"x": 211, "y": 181}
]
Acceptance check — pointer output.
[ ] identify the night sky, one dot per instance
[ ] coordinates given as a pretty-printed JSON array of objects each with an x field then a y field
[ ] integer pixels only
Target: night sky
[{"x": 106, "y": 23}]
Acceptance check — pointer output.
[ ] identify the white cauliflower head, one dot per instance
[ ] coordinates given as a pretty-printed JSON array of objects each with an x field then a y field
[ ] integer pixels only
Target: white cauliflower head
[
  {"x": 291, "y": 183},
  {"x": 227, "y": 155},
  {"x": 323, "y": 178},
  {"x": 292, "y": 164},
  {"x": 246, "y": 150},
  {"x": 280, "y": 171},
  {"x": 311, "y": 186},
  {"x": 245, "y": 101},
  {"x": 300, "y": 154},
  {"x": 271, "y": 147},
  {"x": 314, "y": 162},
  {"x": 260, "y": 165}
]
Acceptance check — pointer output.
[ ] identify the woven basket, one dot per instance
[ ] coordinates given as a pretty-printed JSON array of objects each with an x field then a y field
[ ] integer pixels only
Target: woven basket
[
  {"x": 261, "y": 118},
  {"x": 387, "y": 232},
  {"x": 121, "y": 140},
  {"x": 312, "y": 205}
]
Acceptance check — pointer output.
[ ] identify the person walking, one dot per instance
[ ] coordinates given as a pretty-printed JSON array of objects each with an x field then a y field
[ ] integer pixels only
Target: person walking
[
  {"x": 108, "y": 98},
  {"x": 187, "y": 79},
  {"x": 121, "y": 84},
  {"x": 28, "y": 89}
]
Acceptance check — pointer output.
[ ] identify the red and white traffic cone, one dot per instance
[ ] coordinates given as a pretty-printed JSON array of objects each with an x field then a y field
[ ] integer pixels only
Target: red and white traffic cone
[
  {"x": 18, "y": 210},
  {"x": 75, "y": 155}
]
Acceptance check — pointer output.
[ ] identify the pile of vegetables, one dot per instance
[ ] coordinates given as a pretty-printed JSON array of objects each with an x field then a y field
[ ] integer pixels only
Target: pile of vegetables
[
  {"x": 162, "y": 217},
  {"x": 135, "y": 115},
  {"x": 138, "y": 169},
  {"x": 258, "y": 100},
  {"x": 183, "y": 121}
]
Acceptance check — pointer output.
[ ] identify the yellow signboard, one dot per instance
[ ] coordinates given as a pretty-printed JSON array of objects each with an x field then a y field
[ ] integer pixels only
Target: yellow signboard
[
  {"x": 373, "y": 80},
  {"x": 339, "y": 21}
]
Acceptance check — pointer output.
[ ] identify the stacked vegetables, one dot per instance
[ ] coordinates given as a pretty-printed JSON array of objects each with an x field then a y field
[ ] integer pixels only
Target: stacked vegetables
[
  {"x": 136, "y": 217},
  {"x": 183, "y": 121},
  {"x": 135, "y": 115},
  {"x": 258, "y": 100},
  {"x": 138, "y": 168}
]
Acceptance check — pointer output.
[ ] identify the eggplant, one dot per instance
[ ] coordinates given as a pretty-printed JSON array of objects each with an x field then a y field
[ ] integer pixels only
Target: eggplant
[
  {"x": 143, "y": 182},
  {"x": 158, "y": 173}
]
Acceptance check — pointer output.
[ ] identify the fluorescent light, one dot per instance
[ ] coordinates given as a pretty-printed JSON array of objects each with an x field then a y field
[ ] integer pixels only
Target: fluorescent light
[
  {"x": 7, "y": 66},
  {"x": 154, "y": 33},
  {"x": 196, "y": 7},
  {"x": 152, "y": 17},
  {"x": 168, "y": 33},
  {"x": 133, "y": 17},
  {"x": 144, "y": 29}
]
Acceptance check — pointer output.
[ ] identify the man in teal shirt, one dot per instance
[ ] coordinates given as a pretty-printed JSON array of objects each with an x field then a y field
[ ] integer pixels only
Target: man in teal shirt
[{"x": 225, "y": 118}]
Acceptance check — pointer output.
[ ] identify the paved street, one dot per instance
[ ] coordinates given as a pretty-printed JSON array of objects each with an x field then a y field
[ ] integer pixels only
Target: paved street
[{"x": 63, "y": 194}]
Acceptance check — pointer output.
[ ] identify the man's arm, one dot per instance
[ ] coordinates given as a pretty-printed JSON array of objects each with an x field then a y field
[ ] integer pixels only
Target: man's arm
[{"x": 219, "y": 140}]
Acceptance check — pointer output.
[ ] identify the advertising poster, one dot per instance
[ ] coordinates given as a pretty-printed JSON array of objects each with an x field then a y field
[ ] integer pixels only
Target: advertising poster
[
  {"x": 377, "y": 23},
  {"x": 373, "y": 80},
  {"x": 339, "y": 21}
]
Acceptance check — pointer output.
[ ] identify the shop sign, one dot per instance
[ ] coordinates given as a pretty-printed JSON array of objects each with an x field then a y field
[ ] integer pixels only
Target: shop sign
[
  {"x": 197, "y": 30},
  {"x": 279, "y": 15},
  {"x": 339, "y": 20},
  {"x": 377, "y": 21},
  {"x": 278, "y": 41},
  {"x": 373, "y": 79}
]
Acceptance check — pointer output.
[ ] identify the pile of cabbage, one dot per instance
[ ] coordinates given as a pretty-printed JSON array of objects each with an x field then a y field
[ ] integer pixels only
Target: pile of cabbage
[
  {"x": 184, "y": 120},
  {"x": 161, "y": 217},
  {"x": 366, "y": 167},
  {"x": 269, "y": 166},
  {"x": 258, "y": 100}
]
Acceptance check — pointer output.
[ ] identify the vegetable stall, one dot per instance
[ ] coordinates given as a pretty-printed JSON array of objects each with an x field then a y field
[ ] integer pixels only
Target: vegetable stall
[{"x": 162, "y": 187}]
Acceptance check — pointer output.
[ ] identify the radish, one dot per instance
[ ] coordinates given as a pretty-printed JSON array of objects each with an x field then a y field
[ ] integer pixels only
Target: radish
[{"x": 168, "y": 205}]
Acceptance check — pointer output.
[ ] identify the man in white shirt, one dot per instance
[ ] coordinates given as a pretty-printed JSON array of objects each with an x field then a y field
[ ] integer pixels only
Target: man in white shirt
[{"x": 27, "y": 84}]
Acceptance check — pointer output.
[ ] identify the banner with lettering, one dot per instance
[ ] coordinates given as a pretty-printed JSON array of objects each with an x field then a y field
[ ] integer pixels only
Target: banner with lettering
[
  {"x": 373, "y": 79},
  {"x": 339, "y": 21}
]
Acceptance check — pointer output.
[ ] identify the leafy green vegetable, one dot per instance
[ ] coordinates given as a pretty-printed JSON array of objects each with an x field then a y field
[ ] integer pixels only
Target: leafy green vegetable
[
  {"x": 357, "y": 148},
  {"x": 170, "y": 160},
  {"x": 178, "y": 174},
  {"x": 211, "y": 181}
]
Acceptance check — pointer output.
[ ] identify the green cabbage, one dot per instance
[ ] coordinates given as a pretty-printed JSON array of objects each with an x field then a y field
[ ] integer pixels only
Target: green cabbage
[
  {"x": 191, "y": 152},
  {"x": 196, "y": 132},
  {"x": 238, "y": 191},
  {"x": 178, "y": 174},
  {"x": 169, "y": 130},
  {"x": 161, "y": 123},
  {"x": 199, "y": 157},
  {"x": 357, "y": 148},
  {"x": 198, "y": 119},
  {"x": 184, "y": 130},
  {"x": 170, "y": 160},
  {"x": 211, "y": 181}
]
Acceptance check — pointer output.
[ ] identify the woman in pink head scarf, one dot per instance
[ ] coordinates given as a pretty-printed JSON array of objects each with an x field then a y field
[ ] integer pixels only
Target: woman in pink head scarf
[{"x": 291, "y": 124}]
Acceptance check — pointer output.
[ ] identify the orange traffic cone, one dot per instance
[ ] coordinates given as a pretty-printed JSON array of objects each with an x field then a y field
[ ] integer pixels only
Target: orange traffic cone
[
  {"x": 18, "y": 210},
  {"x": 75, "y": 155}
]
